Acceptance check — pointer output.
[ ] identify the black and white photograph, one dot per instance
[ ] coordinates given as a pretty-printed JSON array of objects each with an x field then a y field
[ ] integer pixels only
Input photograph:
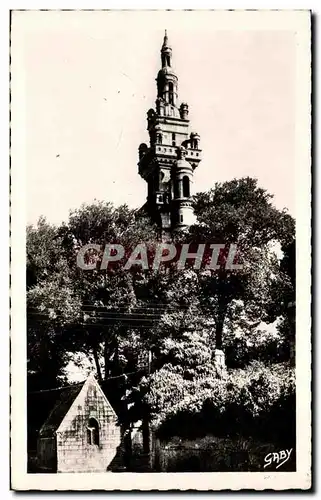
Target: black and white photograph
[{"x": 160, "y": 172}]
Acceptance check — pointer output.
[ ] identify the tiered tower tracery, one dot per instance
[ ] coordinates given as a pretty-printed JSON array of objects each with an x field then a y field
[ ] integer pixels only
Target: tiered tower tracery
[{"x": 168, "y": 163}]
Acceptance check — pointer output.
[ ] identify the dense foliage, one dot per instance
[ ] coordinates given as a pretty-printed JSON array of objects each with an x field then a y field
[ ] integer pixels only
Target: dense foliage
[
  {"x": 240, "y": 212},
  {"x": 258, "y": 400},
  {"x": 161, "y": 327}
]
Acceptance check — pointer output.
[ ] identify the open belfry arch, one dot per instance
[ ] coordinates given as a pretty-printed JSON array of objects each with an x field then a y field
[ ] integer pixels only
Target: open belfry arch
[{"x": 168, "y": 163}]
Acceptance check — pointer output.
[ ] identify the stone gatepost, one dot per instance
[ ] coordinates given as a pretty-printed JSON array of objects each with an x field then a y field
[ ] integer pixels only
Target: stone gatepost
[{"x": 219, "y": 362}]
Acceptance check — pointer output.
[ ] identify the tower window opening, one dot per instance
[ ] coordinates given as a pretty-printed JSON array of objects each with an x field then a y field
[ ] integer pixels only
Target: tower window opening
[
  {"x": 176, "y": 188},
  {"x": 181, "y": 218},
  {"x": 173, "y": 139},
  {"x": 93, "y": 432},
  {"x": 186, "y": 189},
  {"x": 171, "y": 92},
  {"x": 159, "y": 198}
]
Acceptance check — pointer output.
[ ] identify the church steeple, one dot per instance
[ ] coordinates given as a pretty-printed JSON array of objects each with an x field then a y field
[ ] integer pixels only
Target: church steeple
[
  {"x": 167, "y": 81},
  {"x": 168, "y": 163},
  {"x": 165, "y": 42},
  {"x": 166, "y": 52}
]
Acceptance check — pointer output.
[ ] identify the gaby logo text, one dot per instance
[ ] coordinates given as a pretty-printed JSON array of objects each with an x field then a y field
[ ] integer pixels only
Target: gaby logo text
[
  {"x": 150, "y": 257},
  {"x": 279, "y": 458}
]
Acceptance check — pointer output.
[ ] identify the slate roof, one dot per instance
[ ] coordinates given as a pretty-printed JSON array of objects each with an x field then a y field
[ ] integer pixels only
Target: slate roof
[
  {"x": 60, "y": 409},
  {"x": 46, "y": 410}
]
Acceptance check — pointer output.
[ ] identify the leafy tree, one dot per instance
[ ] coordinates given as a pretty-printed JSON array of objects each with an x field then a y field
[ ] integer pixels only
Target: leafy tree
[
  {"x": 257, "y": 401},
  {"x": 43, "y": 252},
  {"x": 107, "y": 298},
  {"x": 283, "y": 295},
  {"x": 246, "y": 340},
  {"x": 182, "y": 362},
  {"x": 52, "y": 307},
  {"x": 118, "y": 315},
  {"x": 241, "y": 213}
]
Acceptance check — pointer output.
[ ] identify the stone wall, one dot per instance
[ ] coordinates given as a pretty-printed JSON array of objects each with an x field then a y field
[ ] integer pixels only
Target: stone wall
[
  {"x": 214, "y": 454},
  {"x": 140, "y": 455},
  {"x": 46, "y": 454},
  {"x": 74, "y": 452}
]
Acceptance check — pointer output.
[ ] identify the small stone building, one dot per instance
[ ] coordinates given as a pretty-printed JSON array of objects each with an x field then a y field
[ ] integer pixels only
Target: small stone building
[{"x": 81, "y": 432}]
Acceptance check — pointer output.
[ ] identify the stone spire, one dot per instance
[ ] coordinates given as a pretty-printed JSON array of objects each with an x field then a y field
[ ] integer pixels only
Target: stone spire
[
  {"x": 168, "y": 163},
  {"x": 165, "y": 42},
  {"x": 166, "y": 52}
]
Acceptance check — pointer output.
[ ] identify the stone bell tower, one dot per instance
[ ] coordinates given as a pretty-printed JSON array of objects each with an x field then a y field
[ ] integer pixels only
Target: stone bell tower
[{"x": 168, "y": 163}]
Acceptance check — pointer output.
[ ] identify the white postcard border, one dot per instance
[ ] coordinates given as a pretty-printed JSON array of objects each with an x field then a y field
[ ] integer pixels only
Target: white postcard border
[{"x": 299, "y": 21}]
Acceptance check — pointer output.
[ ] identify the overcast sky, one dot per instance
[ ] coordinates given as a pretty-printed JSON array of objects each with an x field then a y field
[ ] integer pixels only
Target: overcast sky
[{"x": 89, "y": 79}]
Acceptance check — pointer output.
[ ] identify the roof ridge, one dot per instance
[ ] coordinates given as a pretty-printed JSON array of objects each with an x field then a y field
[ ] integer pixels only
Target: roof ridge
[{"x": 58, "y": 388}]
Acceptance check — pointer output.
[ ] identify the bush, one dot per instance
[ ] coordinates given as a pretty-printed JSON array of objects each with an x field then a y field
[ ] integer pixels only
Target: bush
[
  {"x": 246, "y": 339},
  {"x": 257, "y": 400},
  {"x": 216, "y": 454},
  {"x": 190, "y": 354}
]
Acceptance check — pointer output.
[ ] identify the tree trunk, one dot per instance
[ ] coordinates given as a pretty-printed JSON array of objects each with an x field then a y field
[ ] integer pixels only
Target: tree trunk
[
  {"x": 110, "y": 351},
  {"x": 222, "y": 309},
  {"x": 100, "y": 379},
  {"x": 106, "y": 359}
]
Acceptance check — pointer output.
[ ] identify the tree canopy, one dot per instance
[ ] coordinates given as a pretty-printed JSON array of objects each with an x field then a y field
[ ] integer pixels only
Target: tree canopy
[{"x": 165, "y": 323}]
